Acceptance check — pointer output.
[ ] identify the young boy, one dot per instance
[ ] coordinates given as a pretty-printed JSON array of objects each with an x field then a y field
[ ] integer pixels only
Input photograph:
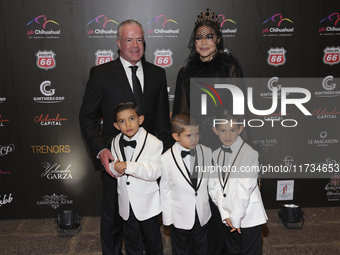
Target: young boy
[
  {"x": 137, "y": 168},
  {"x": 184, "y": 195},
  {"x": 235, "y": 190}
]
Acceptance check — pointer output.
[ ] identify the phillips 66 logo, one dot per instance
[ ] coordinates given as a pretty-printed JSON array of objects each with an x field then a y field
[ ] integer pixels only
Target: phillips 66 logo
[
  {"x": 331, "y": 56},
  {"x": 103, "y": 56},
  {"x": 45, "y": 59},
  {"x": 276, "y": 56},
  {"x": 163, "y": 57}
]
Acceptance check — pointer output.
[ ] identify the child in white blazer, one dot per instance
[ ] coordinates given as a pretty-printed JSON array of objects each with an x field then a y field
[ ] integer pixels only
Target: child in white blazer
[
  {"x": 184, "y": 191},
  {"x": 137, "y": 168},
  {"x": 235, "y": 190}
]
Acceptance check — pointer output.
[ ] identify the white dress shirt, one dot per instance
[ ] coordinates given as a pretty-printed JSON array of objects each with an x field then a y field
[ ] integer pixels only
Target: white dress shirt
[
  {"x": 189, "y": 160},
  {"x": 128, "y": 150},
  {"x": 128, "y": 72}
]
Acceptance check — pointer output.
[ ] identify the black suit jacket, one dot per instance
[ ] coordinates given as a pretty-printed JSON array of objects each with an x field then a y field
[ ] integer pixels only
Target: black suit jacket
[{"x": 107, "y": 87}]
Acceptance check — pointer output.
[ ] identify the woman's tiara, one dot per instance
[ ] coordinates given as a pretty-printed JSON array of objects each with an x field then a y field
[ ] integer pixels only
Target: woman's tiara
[{"x": 207, "y": 16}]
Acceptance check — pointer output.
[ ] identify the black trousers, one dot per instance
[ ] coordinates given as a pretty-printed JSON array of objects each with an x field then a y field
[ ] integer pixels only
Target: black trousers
[
  {"x": 111, "y": 229},
  {"x": 190, "y": 242},
  {"x": 216, "y": 232},
  {"x": 249, "y": 242},
  {"x": 142, "y": 235}
]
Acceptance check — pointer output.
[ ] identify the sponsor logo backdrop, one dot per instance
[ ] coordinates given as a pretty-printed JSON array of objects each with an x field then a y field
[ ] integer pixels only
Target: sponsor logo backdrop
[{"x": 48, "y": 48}]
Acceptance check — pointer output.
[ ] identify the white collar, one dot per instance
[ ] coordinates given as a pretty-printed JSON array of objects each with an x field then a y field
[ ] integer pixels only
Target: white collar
[
  {"x": 234, "y": 146},
  {"x": 181, "y": 148},
  {"x": 127, "y": 64}
]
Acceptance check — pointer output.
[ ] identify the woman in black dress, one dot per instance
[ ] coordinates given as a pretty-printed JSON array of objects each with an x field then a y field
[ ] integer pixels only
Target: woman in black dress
[{"x": 207, "y": 59}]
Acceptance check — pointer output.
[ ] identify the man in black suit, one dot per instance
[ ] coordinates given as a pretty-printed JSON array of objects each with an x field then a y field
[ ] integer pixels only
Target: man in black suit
[{"x": 110, "y": 84}]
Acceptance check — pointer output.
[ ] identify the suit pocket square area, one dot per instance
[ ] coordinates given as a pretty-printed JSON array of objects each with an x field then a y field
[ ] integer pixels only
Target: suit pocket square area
[
  {"x": 151, "y": 189},
  {"x": 254, "y": 199},
  {"x": 175, "y": 203}
]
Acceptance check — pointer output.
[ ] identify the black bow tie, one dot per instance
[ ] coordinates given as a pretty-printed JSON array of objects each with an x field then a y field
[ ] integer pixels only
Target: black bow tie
[
  {"x": 129, "y": 143},
  {"x": 185, "y": 153},
  {"x": 190, "y": 152},
  {"x": 226, "y": 149}
]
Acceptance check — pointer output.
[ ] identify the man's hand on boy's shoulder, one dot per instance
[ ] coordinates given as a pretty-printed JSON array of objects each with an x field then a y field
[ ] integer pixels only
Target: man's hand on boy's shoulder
[{"x": 120, "y": 167}]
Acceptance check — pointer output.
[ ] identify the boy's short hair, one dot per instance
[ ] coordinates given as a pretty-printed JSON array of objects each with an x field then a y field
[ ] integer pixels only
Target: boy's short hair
[
  {"x": 228, "y": 115},
  {"x": 125, "y": 106},
  {"x": 182, "y": 121}
]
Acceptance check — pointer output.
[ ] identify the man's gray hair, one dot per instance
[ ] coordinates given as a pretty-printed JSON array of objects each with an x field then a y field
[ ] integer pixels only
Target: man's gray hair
[{"x": 128, "y": 22}]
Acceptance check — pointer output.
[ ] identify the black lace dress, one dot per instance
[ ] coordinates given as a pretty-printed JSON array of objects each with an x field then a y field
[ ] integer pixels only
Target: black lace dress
[{"x": 223, "y": 65}]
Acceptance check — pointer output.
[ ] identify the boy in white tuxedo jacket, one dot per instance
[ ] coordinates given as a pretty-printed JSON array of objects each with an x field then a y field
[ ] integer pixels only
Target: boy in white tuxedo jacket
[
  {"x": 183, "y": 185},
  {"x": 234, "y": 188},
  {"x": 137, "y": 168}
]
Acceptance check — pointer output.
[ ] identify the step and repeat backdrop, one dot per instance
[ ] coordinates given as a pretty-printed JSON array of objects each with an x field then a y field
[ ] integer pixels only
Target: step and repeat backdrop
[{"x": 48, "y": 47}]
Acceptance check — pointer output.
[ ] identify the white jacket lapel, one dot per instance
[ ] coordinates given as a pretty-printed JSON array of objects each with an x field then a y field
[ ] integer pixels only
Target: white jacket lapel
[
  {"x": 220, "y": 158},
  {"x": 236, "y": 147},
  {"x": 117, "y": 147},
  {"x": 140, "y": 144},
  {"x": 200, "y": 163},
  {"x": 179, "y": 160}
]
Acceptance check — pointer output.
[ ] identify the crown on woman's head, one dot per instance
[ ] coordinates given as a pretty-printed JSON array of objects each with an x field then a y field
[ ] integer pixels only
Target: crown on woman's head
[{"x": 207, "y": 16}]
